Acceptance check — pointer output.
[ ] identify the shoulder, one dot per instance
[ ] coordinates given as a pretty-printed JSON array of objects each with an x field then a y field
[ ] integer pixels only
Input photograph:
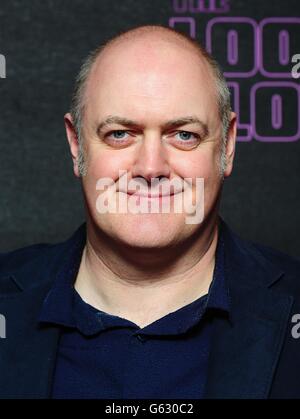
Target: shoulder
[
  {"x": 27, "y": 266},
  {"x": 264, "y": 264},
  {"x": 31, "y": 264},
  {"x": 288, "y": 263},
  {"x": 259, "y": 252},
  {"x": 289, "y": 280},
  {"x": 270, "y": 262},
  {"x": 18, "y": 257}
]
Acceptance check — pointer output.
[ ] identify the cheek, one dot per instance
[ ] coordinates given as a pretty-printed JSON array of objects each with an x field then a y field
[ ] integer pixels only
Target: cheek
[
  {"x": 201, "y": 165},
  {"x": 107, "y": 163},
  {"x": 204, "y": 165},
  {"x": 101, "y": 164}
]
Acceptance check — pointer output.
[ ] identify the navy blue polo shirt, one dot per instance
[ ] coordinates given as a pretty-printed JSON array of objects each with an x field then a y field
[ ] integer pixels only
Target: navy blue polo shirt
[{"x": 102, "y": 356}]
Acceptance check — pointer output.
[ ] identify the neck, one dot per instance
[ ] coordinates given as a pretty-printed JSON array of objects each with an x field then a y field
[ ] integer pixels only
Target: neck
[{"x": 113, "y": 280}]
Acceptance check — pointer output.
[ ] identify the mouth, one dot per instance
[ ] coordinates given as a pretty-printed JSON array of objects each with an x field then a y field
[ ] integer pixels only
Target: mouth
[{"x": 151, "y": 196}]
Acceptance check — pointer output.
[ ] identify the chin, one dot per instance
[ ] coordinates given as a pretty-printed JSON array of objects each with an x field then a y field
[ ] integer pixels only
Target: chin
[
  {"x": 147, "y": 242},
  {"x": 146, "y": 231}
]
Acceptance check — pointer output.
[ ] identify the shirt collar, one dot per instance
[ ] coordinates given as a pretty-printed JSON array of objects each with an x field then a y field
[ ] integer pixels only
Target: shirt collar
[{"x": 64, "y": 306}]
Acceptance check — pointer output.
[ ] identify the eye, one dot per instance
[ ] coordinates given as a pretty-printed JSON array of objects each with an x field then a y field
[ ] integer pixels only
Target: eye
[
  {"x": 186, "y": 136},
  {"x": 117, "y": 134}
]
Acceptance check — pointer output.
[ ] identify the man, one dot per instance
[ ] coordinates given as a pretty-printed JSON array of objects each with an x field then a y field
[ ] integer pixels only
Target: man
[{"x": 150, "y": 304}]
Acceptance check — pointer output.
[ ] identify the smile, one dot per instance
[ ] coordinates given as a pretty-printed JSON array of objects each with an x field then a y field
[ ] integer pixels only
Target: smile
[{"x": 151, "y": 196}]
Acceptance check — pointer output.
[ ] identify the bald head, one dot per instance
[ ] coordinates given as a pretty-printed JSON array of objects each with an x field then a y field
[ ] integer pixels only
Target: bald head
[
  {"x": 152, "y": 33},
  {"x": 148, "y": 46}
]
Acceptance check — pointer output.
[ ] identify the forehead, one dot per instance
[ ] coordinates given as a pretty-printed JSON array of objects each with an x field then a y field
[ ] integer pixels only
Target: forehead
[{"x": 150, "y": 76}]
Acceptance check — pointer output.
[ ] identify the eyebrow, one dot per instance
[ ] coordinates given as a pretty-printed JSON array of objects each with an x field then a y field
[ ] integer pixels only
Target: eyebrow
[{"x": 174, "y": 123}]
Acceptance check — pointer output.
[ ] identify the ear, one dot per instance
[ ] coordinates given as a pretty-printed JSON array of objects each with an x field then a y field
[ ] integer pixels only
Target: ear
[
  {"x": 73, "y": 142},
  {"x": 230, "y": 144}
]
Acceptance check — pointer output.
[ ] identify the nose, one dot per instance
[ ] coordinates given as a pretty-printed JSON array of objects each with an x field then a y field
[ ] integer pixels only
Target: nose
[{"x": 151, "y": 160}]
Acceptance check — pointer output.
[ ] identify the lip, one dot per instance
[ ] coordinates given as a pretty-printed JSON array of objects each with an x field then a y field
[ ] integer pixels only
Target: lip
[{"x": 151, "y": 196}]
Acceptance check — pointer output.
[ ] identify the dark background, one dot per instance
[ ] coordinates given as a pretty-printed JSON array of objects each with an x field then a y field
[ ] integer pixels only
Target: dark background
[{"x": 44, "y": 43}]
